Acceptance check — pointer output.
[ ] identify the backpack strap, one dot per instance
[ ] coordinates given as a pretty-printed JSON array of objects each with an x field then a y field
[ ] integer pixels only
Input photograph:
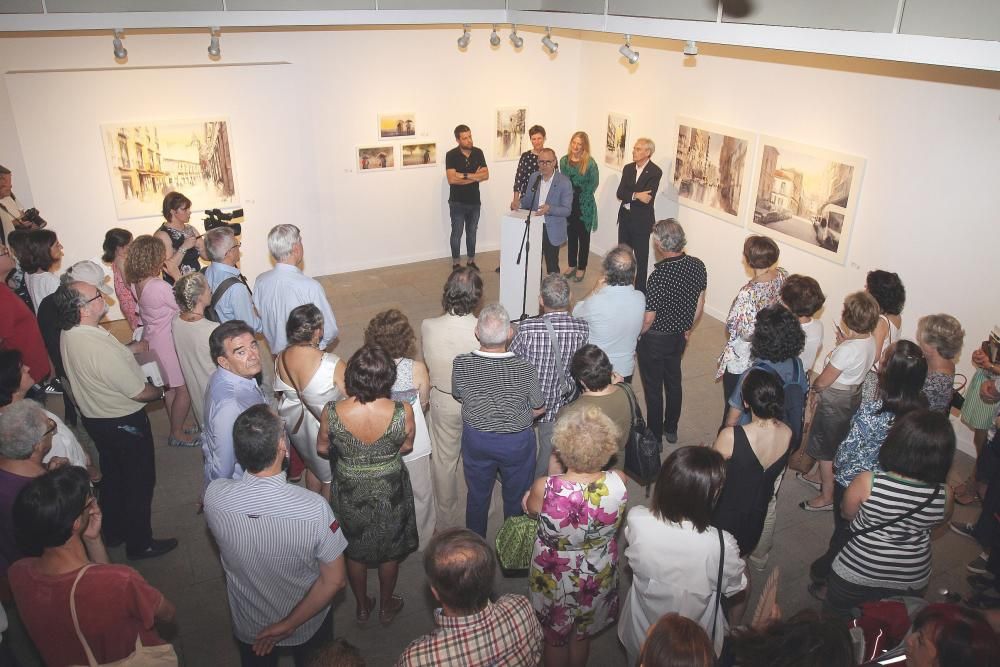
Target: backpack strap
[{"x": 221, "y": 290}]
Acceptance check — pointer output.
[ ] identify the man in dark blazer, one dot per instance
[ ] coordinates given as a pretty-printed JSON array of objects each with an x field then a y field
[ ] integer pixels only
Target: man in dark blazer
[
  {"x": 637, "y": 193},
  {"x": 555, "y": 192}
]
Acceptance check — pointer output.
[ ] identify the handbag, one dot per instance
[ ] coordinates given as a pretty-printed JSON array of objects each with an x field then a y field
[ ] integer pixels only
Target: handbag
[
  {"x": 143, "y": 656},
  {"x": 567, "y": 385},
  {"x": 643, "y": 449},
  {"x": 514, "y": 543},
  {"x": 799, "y": 460}
]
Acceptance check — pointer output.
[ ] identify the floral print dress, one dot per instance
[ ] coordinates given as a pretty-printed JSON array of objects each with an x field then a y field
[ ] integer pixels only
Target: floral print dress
[{"x": 574, "y": 566}]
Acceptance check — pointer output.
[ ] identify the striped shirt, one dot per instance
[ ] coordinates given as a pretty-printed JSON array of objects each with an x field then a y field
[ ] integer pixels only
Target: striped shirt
[
  {"x": 272, "y": 538},
  {"x": 533, "y": 344},
  {"x": 497, "y": 391},
  {"x": 899, "y": 555}
]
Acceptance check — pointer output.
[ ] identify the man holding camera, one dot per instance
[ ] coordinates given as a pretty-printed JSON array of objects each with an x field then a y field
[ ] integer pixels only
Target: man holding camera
[{"x": 12, "y": 216}]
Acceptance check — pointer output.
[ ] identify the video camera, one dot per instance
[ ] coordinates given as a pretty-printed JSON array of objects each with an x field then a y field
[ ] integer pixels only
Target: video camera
[{"x": 216, "y": 218}]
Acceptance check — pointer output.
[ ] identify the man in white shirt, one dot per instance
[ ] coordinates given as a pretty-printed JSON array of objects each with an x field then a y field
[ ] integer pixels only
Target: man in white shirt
[{"x": 278, "y": 291}]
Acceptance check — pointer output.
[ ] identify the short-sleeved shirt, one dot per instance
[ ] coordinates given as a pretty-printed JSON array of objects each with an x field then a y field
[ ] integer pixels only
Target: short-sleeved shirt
[
  {"x": 103, "y": 373},
  {"x": 497, "y": 391},
  {"x": 672, "y": 291},
  {"x": 19, "y": 331},
  {"x": 457, "y": 160},
  {"x": 272, "y": 537},
  {"x": 853, "y": 358},
  {"x": 113, "y": 602},
  {"x": 615, "y": 314},
  {"x": 813, "y": 329},
  {"x": 785, "y": 370},
  {"x": 526, "y": 166},
  {"x": 615, "y": 405}
]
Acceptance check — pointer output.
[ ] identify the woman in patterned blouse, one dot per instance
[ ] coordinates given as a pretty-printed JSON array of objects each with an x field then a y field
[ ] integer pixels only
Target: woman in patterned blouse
[
  {"x": 116, "y": 242},
  {"x": 527, "y": 165},
  {"x": 583, "y": 174}
]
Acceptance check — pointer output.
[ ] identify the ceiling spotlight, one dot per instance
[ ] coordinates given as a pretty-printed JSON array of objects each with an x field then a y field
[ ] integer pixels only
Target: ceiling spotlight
[
  {"x": 120, "y": 51},
  {"x": 494, "y": 37},
  {"x": 214, "y": 51},
  {"x": 515, "y": 39},
  {"x": 463, "y": 41},
  {"x": 690, "y": 48},
  {"x": 626, "y": 50},
  {"x": 547, "y": 42}
]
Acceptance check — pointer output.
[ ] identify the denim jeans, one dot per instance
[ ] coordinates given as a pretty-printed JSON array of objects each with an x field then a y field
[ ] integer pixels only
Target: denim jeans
[{"x": 463, "y": 216}]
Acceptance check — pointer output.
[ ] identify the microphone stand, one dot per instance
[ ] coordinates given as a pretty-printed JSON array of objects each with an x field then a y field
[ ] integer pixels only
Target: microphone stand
[{"x": 526, "y": 250}]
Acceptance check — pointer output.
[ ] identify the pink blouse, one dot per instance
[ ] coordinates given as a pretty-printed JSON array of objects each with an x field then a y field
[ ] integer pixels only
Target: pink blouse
[{"x": 126, "y": 299}]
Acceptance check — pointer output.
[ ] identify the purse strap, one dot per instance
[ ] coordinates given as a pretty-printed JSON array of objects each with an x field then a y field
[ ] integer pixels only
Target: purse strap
[
  {"x": 91, "y": 660},
  {"x": 908, "y": 513},
  {"x": 302, "y": 401},
  {"x": 556, "y": 349},
  {"x": 718, "y": 581},
  {"x": 632, "y": 402}
]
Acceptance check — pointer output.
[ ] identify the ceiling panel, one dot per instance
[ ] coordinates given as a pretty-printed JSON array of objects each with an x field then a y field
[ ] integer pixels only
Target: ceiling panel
[
  {"x": 861, "y": 15},
  {"x": 969, "y": 19},
  {"x": 298, "y": 5},
  {"x": 665, "y": 9},
  {"x": 442, "y": 4},
  {"x": 104, "y": 6},
  {"x": 20, "y": 6},
  {"x": 575, "y": 6}
]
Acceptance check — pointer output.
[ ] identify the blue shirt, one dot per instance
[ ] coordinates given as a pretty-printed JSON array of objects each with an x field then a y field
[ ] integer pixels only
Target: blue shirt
[
  {"x": 785, "y": 370},
  {"x": 226, "y": 397},
  {"x": 236, "y": 303},
  {"x": 860, "y": 449},
  {"x": 615, "y": 314},
  {"x": 277, "y": 292}
]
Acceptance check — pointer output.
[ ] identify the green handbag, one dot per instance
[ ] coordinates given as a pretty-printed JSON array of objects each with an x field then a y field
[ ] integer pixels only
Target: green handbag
[{"x": 514, "y": 544}]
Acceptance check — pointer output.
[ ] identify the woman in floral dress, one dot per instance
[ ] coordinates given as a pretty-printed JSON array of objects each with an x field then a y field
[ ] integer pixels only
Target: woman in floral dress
[{"x": 574, "y": 566}]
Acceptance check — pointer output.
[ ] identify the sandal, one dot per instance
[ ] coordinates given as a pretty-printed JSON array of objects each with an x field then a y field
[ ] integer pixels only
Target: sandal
[
  {"x": 570, "y": 273},
  {"x": 386, "y": 616},
  {"x": 363, "y": 616},
  {"x": 578, "y": 278}
]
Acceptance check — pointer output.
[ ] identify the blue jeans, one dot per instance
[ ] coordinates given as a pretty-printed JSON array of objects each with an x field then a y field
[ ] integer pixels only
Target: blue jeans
[
  {"x": 483, "y": 454},
  {"x": 463, "y": 216}
]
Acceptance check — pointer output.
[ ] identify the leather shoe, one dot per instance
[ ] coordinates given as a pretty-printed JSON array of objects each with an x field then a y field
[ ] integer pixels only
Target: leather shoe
[
  {"x": 671, "y": 438},
  {"x": 156, "y": 548}
]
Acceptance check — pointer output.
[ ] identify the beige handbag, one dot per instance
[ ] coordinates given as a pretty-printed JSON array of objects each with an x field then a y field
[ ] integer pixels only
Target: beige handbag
[
  {"x": 799, "y": 460},
  {"x": 144, "y": 656}
]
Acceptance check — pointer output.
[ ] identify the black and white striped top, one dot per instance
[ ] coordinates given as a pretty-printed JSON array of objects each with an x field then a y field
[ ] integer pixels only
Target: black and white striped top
[
  {"x": 272, "y": 537},
  {"x": 899, "y": 555},
  {"x": 497, "y": 391}
]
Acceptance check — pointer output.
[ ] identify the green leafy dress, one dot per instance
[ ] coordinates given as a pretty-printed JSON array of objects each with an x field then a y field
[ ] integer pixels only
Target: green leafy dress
[{"x": 371, "y": 494}]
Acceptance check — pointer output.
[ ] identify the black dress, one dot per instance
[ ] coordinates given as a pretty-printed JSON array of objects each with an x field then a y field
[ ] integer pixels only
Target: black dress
[
  {"x": 189, "y": 263},
  {"x": 749, "y": 487}
]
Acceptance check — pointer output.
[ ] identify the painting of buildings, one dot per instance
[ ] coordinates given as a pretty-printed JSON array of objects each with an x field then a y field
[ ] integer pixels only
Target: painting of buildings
[
  {"x": 710, "y": 169},
  {"x": 616, "y": 148},
  {"x": 148, "y": 160},
  {"x": 510, "y": 130},
  {"x": 806, "y": 196}
]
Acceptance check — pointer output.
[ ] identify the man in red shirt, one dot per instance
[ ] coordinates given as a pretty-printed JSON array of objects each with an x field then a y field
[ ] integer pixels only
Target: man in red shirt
[
  {"x": 18, "y": 326},
  {"x": 114, "y": 604}
]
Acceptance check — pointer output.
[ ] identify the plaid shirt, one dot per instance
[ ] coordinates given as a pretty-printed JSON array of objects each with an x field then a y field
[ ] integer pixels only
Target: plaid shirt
[
  {"x": 532, "y": 344},
  {"x": 505, "y": 633}
]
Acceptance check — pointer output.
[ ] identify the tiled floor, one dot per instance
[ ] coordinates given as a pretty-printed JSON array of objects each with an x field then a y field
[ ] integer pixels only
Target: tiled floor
[{"x": 192, "y": 577}]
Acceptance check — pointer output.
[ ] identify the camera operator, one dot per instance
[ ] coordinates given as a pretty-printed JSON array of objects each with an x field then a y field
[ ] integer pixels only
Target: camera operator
[
  {"x": 180, "y": 238},
  {"x": 12, "y": 216}
]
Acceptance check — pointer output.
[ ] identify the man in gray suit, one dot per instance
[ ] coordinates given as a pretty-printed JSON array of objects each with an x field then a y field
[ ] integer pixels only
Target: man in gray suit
[{"x": 549, "y": 194}]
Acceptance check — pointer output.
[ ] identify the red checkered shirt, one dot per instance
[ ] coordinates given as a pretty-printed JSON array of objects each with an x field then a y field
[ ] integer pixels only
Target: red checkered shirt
[{"x": 505, "y": 633}]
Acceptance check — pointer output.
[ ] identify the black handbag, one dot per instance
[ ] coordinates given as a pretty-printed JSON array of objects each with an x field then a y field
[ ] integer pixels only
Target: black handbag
[{"x": 643, "y": 449}]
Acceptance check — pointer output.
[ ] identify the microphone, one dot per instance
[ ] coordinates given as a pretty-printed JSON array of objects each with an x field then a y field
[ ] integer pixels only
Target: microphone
[{"x": 534, "y": 188}]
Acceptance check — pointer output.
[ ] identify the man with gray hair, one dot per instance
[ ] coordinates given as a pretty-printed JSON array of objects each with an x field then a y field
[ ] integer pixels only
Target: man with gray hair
[
  {"x": 551, "y": 195},
  {"x": 500, "y": 398},
  {"x": 548, "y": 342},
  {"x": 229, "y": 301},
  {"x": 614, "y": 310},
  {"x": 285, "y": 287},
  {"x": 637, "y": 193},
  {"x": 675, "y": 299}
]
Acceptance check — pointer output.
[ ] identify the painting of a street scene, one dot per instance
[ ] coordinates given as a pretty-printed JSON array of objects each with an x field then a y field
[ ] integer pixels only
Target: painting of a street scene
[
  {"x": 147, "y": 160},
  {"x": 395, "y": 125},
  {"x": 509, "y": 140},
  {"x": 711, "y": 169},
  {"x": 806, "y": 196},
  {"x": 616, "y": 146},
  {"x": 376, "y": 158},
  {"x": 418, "y": 155}
]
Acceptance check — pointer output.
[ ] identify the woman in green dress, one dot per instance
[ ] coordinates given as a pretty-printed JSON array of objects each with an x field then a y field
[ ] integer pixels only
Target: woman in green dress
[
  {"x": 365, "y": 436},
  {"x": 581, "y": 169}
]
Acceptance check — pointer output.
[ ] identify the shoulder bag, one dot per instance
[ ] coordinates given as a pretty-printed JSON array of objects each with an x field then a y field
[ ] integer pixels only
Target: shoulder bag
[
  {"x": 643, "y": 449},
  {"x": 567, "y": 385},
  {"x": 143, "y": 656},
  {"x": 718, "y": 583}
]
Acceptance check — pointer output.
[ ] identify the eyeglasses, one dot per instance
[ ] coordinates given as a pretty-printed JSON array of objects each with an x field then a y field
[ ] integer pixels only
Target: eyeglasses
[
  {"x": 99, "y": 295},
  {"x": 546, "y": 162},
  {"x": 52, "y": 429}
]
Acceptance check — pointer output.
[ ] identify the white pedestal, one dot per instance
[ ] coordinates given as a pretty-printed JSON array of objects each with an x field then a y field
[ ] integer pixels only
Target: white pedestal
[{"x": 512, "y": 273}]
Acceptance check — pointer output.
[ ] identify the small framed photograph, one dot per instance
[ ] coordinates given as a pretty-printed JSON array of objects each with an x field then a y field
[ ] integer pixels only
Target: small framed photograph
[
  {"x": 418, "y": 155},
  {"x": 376, "y": 158},
  {"x": 396, "y": 125},
  {"x": 616, "y": 142},
  {"x": 511, "y": 131}
]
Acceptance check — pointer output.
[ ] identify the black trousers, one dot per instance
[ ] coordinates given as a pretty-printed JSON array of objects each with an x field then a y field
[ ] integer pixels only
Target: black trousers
[
  {"x": 820, "y": 569},
  {"x": 129, "y": 468},
  {"x": 660, "y": 369},
  {"x": 635, "y": 234},
  {"x": 579, "y": 242},
  {"x": 300, "y": 654},
  {"x": 549, "y": 252}
]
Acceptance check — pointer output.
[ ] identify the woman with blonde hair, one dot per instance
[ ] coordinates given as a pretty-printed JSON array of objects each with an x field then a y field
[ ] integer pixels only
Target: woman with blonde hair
[
  {"x": 191, "y": 330},
  {"x": 574, "y": 567},
  {"x": 582, "y": 171},
  {"x": 157, "y": 309}
]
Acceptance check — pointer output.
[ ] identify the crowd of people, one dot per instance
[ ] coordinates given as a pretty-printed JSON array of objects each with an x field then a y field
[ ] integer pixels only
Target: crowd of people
[{"x": 398, "y": 450}]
